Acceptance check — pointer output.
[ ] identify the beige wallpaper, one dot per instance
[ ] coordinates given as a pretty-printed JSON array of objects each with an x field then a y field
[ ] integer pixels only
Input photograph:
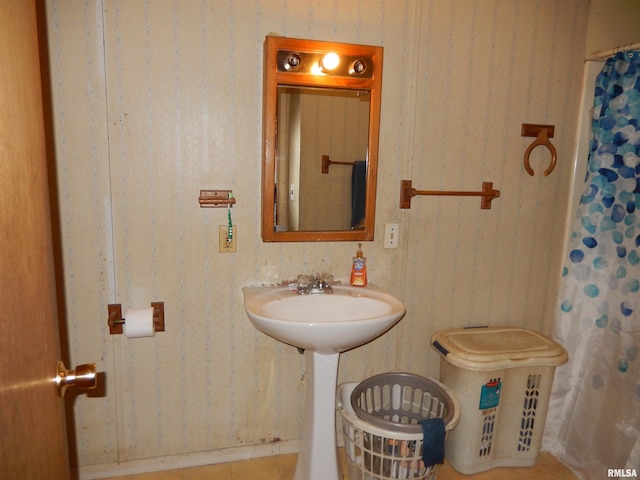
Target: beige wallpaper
[
  {"x": 155, "y": 100},
  {"x": 612, "y": 27}
]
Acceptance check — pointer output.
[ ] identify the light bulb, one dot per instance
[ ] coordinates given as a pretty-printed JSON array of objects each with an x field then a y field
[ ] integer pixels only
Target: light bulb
[{"x": 330, "y": 61}]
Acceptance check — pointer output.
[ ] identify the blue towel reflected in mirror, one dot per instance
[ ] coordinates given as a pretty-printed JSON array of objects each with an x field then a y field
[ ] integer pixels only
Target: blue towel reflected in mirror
[{"x": 358, "y": 194}]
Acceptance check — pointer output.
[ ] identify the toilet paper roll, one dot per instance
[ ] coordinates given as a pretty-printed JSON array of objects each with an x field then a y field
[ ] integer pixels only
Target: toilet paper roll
[{"x": 139, "y": 323}]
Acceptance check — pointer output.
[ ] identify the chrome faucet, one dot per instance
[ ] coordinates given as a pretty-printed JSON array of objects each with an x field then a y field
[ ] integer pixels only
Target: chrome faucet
[{"x": 315, "y": 284}]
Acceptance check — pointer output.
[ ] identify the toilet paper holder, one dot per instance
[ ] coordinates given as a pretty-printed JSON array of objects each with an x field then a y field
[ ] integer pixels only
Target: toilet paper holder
[{"x": 115, "y": 320}]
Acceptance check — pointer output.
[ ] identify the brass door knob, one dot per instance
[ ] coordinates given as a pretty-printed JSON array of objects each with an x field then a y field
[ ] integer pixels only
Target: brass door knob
[{"x": 84, "y": 376}]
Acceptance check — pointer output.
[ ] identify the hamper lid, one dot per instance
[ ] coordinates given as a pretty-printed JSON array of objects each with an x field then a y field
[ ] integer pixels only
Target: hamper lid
[{"x": 488, "y": 348}]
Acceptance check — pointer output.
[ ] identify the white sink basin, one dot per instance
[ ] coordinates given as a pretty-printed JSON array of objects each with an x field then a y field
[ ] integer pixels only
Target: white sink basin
[{"x": 324, "y": 323}]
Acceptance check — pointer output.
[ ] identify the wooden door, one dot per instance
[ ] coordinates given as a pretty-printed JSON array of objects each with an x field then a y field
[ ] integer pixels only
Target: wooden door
[{"x": 33, "y": 444}]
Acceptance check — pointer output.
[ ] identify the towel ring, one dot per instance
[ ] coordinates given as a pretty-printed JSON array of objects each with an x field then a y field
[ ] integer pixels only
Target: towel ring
[{"x": 543, "y": 133}]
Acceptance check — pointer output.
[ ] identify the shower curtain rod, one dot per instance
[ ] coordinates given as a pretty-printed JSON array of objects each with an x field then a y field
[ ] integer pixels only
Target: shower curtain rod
[{"x": 604, "y": 54}]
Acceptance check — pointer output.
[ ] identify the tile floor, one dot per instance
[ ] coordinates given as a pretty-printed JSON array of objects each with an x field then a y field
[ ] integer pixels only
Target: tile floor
[{"x": 281, "y": 467}]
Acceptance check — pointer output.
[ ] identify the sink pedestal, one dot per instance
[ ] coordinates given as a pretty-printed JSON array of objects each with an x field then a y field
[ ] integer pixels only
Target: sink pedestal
[{"x": 318, "y": 457}]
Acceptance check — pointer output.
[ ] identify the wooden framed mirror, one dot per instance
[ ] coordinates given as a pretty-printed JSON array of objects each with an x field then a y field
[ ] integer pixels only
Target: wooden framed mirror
[{"x": 321, "y": 122}]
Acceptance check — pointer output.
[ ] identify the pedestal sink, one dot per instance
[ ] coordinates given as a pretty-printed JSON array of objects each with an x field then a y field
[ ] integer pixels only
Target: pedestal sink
[{"x": 324, "y": 325}]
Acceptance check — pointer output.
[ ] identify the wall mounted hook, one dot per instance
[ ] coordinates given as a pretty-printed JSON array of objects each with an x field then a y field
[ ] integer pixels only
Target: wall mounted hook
[{"x": 543, "y": 134}]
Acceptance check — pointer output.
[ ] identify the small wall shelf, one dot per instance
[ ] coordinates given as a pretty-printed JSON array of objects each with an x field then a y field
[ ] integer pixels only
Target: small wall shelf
[
  {"x": 216, "y": 198},
  {"x": 407, "y": 192}
]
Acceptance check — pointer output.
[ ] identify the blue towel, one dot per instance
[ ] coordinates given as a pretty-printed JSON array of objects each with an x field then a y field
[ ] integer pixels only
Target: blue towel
[
  {"x": 358, "y": 192},
  {"x": 432, "y": 441}
]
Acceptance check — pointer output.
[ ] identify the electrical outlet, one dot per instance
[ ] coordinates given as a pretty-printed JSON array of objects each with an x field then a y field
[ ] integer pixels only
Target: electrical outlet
[
  {"x": 391, "y": 235},
  {"x": 225, "y": 246}
]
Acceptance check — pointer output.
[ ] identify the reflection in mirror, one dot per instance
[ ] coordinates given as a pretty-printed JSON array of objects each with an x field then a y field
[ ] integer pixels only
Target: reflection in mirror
[
  {"x": 320, "y": 140},
  {"x": 315, "y": 124}
]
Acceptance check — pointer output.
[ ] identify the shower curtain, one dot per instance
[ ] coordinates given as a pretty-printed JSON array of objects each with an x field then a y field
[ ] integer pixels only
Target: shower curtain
[{"x": 593, "y": 421}]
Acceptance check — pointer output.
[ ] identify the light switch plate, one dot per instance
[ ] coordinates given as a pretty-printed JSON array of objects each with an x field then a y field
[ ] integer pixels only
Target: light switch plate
[{"x": 391, "y": 235}]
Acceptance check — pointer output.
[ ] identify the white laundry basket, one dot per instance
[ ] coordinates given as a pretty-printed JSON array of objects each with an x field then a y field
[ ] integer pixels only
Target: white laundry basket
[
  {"x": 502, "y": 378},
  {"x": 380, "y": 448}
]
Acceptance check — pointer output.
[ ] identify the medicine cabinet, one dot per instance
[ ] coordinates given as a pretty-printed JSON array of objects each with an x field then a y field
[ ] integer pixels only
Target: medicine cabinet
[{"x": 321, "y": 122}]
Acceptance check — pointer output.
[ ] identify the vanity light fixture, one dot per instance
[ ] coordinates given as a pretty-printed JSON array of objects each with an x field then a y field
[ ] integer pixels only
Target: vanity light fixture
[{"x": 324, "y": 64}]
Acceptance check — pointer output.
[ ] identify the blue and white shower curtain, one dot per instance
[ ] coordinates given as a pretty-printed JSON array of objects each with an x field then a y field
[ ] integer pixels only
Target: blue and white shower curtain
[{"x": 593, "y": 422}]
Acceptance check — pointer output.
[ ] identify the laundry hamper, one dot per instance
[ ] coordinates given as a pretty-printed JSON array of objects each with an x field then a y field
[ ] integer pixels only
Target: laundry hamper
[
  {"x": 502, "y": 378},
  {"x": 387, "y": 442}
]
